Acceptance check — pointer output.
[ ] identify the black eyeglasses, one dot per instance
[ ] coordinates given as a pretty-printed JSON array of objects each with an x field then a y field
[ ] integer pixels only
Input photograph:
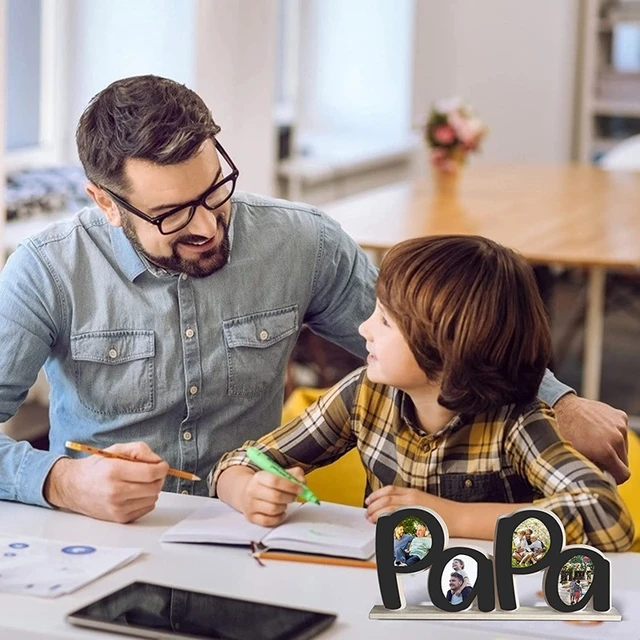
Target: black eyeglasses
[{"x": 179, "y": 217}]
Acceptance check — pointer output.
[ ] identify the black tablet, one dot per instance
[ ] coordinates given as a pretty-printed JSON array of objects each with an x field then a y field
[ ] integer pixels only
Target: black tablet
[{"x": 157, "y": 611}]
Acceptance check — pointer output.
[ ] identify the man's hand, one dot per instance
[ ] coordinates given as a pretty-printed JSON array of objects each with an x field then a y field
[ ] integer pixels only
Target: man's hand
[
  {"x": 108, "y": 489},
  {"x": 597, "y": 431},
  {"x": 262, "y": 496}
]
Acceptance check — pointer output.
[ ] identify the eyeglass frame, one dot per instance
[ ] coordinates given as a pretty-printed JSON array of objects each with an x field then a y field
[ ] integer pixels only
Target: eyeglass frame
[{"x": 193, "y": 205}]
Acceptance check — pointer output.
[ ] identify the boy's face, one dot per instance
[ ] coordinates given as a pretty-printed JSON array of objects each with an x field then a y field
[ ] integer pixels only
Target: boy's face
[{"x": 390, "y": 359}]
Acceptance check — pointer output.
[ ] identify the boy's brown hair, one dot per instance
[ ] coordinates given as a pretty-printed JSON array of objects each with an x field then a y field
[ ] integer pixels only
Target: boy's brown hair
[{"x": 472, "y": 316}]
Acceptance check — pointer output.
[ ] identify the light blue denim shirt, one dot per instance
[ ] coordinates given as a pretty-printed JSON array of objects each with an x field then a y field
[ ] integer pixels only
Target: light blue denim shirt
[{"x": 193, "y": 367}]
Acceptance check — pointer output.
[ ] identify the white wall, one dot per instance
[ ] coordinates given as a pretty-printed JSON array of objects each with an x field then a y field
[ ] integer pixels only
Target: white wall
[
  {"x": 235, "y": 75},
  {"x": 514, "y": 61},
  {"x": 111, "y": 39}
]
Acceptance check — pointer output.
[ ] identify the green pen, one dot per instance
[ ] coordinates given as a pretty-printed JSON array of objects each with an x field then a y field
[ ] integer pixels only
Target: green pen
[{"x": 263, "y": 461}]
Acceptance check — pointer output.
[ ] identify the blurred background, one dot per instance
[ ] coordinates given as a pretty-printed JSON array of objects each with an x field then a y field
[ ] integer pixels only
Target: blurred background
[{"x": 323, "y": 99}]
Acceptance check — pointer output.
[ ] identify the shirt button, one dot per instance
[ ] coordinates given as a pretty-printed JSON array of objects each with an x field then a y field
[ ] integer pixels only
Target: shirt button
[
  {"x": 184, "y": 492},
  {"x": 468, "y": 483},
  {"x": 264, "y": 334},
  {"x": 184, "y": 276},
  {"x": 187, "y": 435},
  {"x": 113, "y": 353},
  {"x": 189, "y": 333},
  {"x": 193, "y": 390}
]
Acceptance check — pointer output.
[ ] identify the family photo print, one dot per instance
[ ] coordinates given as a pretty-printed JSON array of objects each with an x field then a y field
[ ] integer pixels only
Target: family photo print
[{"x": 468, "y": 581}]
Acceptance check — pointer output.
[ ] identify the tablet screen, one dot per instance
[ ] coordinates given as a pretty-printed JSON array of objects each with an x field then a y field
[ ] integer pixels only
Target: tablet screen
[{"x": 156, "y": 611}]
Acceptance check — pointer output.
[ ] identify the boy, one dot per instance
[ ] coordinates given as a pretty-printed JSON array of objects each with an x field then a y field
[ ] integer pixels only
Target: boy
[
  {"x": 457, "y": 565},
  {"x": 576, "y": 591},
  {"x": 445, "y": 414}
]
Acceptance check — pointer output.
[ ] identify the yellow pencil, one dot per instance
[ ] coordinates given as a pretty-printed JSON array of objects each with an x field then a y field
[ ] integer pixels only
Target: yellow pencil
[
  {"x": 185, "y": 475},
  {"x": 294, "y": 557}
]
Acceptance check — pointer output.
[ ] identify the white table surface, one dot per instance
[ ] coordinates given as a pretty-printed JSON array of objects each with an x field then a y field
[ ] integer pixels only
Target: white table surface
[{"x": 231, "y": 571}]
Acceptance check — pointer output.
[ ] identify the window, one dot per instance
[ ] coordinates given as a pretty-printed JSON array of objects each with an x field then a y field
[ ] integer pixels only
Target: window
[{"x": 30, "y": 58}]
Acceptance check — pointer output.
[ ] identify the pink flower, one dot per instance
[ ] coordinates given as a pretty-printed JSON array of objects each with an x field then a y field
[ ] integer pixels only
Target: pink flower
[
  {"x": 469, "y": 130},
  {"x": 444, "y": 135}
]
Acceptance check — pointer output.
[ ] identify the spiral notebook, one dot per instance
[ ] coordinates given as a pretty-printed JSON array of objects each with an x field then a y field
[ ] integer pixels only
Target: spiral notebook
[{"x": 327, "y": 529}]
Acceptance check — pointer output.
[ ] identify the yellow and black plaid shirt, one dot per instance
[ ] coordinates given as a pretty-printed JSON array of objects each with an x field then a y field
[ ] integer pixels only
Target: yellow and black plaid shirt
[{"x": 511, "y": 454}]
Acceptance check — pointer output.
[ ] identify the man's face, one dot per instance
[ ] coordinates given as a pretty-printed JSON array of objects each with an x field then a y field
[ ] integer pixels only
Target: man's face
[
  {"x": 201, "y": 247},
  {"x": 454, "y": 583}
]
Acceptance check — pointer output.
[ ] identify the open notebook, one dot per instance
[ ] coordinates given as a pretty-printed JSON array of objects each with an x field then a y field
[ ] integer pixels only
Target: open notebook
[{"x": 327, "y": 529}]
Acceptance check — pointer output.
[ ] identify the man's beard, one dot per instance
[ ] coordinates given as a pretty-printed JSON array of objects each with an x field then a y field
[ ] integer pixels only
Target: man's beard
[{"x": 204, "y": 265}]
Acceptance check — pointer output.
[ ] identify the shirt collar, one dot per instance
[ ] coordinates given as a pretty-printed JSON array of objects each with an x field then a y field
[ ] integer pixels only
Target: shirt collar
[
  {"x": 133, "y": 263},
  {"x": 408, "y": 415},
  {"x": 127, "y": 257}
]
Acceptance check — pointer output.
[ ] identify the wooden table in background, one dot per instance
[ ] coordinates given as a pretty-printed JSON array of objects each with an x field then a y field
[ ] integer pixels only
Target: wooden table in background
[{"x": 570, "y": 215}]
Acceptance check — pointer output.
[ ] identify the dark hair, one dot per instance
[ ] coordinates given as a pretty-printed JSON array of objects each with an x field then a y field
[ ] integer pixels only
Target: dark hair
[
  {"x": 144, "y": 117},
  {"x": 472, "y": 316},
  {"x": 455, "y": 574}
]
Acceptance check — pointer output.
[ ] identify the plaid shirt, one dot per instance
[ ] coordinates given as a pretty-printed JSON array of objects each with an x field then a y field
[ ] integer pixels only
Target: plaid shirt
[{"x": 508, "y": 455}]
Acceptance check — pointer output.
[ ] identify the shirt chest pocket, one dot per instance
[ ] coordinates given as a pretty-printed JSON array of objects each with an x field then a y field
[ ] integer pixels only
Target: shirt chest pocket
[
  {"x": 473, "y": 487},
  {"x": 114, "y": 370},
  {"x": 258, "y": 348}
]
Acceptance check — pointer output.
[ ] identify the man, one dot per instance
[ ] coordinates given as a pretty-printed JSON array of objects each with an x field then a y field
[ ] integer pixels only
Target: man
[
  {"x": 166, "y": 315},
  {"x": 457, "y": 565},
  {"x": 457, "y": 593},
  {"x": 419, "y": 546},
  {"x": 535, "y": 550}
]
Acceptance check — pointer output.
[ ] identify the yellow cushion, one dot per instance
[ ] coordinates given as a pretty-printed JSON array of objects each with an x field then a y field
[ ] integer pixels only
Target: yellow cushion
[
  {"x": 344, "y": 480},
  {"x": 630, "y": 490}
]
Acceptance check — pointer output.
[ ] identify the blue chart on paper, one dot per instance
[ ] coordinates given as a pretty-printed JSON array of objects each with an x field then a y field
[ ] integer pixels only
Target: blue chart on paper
[
  {"x": 50, "y": 568},
  {"x": 78, "y": 550}
]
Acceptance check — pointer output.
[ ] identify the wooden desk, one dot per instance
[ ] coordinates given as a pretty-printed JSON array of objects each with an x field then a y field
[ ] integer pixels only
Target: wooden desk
[
  {"x": 233, "y": 572},
  {"x": 571, "y": 215}
]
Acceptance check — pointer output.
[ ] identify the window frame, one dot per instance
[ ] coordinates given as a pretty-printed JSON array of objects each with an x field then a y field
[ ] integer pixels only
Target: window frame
[{"x": 53, "y": 82}]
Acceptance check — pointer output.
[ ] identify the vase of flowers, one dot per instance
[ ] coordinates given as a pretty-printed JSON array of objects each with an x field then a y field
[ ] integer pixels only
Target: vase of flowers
[{"x": 452, "y": 132}]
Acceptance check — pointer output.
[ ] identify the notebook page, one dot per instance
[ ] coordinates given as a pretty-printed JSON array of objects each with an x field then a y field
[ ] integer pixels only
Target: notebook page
[
  {"x": 215, "y": 523},
  {"x": 331, "y": 529}
]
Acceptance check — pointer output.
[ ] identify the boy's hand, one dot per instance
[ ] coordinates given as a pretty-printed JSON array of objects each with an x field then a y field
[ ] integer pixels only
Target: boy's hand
[
  {"x": 391, "y": 498},
  {"x": 266, "y": 497}
]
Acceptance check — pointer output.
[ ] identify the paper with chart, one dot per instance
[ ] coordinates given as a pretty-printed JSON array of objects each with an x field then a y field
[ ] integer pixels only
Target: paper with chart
[{"x": 50, "y": 568}]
